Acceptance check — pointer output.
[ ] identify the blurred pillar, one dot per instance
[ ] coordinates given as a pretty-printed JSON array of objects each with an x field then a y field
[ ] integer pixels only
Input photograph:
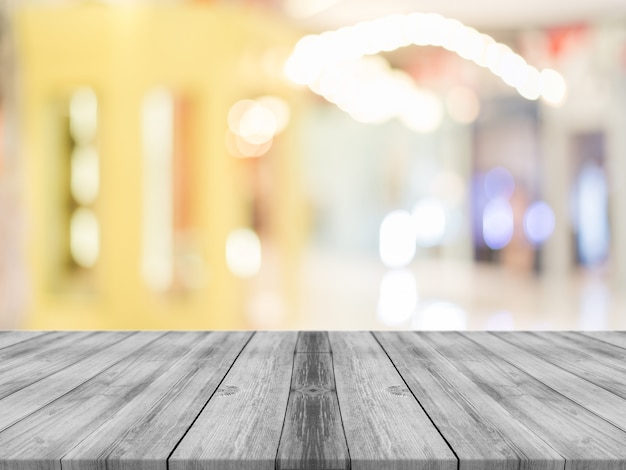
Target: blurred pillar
[
  {"x": 616, "y": 157},
  {"x": 557, "y": 252}
]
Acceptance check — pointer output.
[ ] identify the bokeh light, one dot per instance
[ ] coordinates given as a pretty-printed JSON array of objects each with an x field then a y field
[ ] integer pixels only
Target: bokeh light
[
  {"x": 243, "y": 253},
  {"x": 84, "y": 237},
  {"x": 538, "y": 222},
  {"x": 397, "y": 239},
  {"x": 398, "y": 297},
  {"x": 430, "y": 222},
  {"x": 497, "y": 223},
  {"x": 499, "y": 183}
]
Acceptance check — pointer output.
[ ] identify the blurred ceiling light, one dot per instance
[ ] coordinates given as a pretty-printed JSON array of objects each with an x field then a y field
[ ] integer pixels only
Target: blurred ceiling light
[
  {"x": 554, "y": 88},
  {"x": 84, "y": 237},
  {"x": 397, "y": 238},
  {"x": 440, "y": 316},
  {"x": 83, "y": 115},
  {"x": 314, "y": 55},
  {"x": 398, "y": 297},
  {"x": 538, "y": 222},
  {"x": 497, "y": 223},
  {"x": 463, "y": 104},
  {"x": 430, "y": 222},
  {"x": 84, "y": 174},
  {"x": 243, "y": 253},
  {"x": 307, "y": 8}
]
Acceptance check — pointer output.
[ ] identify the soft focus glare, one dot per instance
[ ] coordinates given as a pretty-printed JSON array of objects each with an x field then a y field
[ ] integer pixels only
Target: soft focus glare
[
  {"x": 463, "y": 104},
  {"x": 279, "y": 108},
  {"x": 84, "y": 237},
  {"x": 538, "y": 222},
  {"x": 85, "y": 175},
  {"x": 499, "y": 183},
  {"x": 397, "y": 239},
  {"x": 500, "y": 321},
  {"x": 243, "y": 253},
  {"x": 430, "y": 222},
  {"x": 497, "y": 223},
  {"x": 592, "y": 221},
  {"x": 398, "y": 297},
  {"x": 554, "y": 88},
  {"x": 83, "y": 115},
  {"x": 440, "y": 316},
  {"x": 423, "y": 112}
]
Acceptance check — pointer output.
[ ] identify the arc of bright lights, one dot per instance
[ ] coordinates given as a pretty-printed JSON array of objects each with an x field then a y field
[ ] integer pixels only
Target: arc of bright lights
[{"x": 342, "y": 66}]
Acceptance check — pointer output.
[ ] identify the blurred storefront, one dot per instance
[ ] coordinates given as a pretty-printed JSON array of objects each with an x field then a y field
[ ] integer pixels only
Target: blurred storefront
[{"x": 198, "y": 165}]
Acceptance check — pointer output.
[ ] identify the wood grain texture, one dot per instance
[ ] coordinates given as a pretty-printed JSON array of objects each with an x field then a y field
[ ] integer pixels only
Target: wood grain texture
[
  {"x": 241, "y": 425},
  {"x": 482, "y": 433},
  {"x": 385, "y": 426},
  {"x": 9, "y": 338},
  {"x": 29, "y": 361},
  {"x": 312, "y": 436},
  {"x": 155, "y": 421},
  {"x": 616, "y": 338},
  {"x": 313, "y": 341},
  {"x": 40, "y": 440},
  {"x": 595, "y": 361},
  {"x": 101, "y": 352},
  {"x": 574, "y": 432},
  {"x": 590, "y": 396}
]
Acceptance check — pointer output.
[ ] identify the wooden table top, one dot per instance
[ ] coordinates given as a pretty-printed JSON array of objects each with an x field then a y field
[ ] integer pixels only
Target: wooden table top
[{"x": 312, "y": 400}]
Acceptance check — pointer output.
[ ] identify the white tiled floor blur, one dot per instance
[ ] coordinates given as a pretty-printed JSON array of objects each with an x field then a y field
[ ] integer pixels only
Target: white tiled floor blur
[{"x": 344, "y": 293}]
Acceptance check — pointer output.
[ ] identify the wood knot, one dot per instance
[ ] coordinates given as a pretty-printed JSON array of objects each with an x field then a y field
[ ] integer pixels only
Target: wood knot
[
  {"x": 227, "y": 390},
  {"x": 399, "y": 391},
  {"x": 313, "y": 390}
]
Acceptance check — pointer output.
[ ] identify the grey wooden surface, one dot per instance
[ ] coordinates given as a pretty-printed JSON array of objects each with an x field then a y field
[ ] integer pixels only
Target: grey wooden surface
[{"x": 312, "y": 400}]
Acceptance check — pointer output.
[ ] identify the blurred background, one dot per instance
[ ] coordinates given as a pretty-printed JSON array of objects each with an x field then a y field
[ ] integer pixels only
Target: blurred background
[{"x": 313, "y": 164}]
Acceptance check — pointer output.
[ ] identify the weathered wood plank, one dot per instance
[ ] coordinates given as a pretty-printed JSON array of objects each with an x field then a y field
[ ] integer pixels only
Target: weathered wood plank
[
  {"x": 616, "y": 338},
  {"x": 580, "y": 436},
  {"x": 154, "y": 422},
  {"x": 241, "y": 425},
  {"x": 9, "y": 338},
  {"x": 101, "y": 352},
  {"x": 40, "y": 440},
  {"x": 385, "y": 426},
  {"x": 483, "y": 434},
  {"x": 597, "y": 362},
  {"x": 29, "y": 361},
  {"x": 596, "y": 399},
  {"x": 313, "y": 341},
  {"x": 312, "y": 436}
]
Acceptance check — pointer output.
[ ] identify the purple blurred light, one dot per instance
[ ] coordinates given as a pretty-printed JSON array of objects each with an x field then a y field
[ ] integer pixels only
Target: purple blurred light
[
  {"x": 497, "y": 223},
  {"x": 499, "y": 183},
  {"x": 538, "y": 222}
]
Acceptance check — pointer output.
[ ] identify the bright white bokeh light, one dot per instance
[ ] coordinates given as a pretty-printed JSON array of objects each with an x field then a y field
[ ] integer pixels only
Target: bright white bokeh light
[
  {"x": 398, "y": 297},
  {"x": 538, "y": 222},
  {"x": 84, "y": 237},
  {"x": 440, "y": 316},
  {"x": 83, "y": 115},
  {"x": 532, "y": 86},
  {"x": 430, "y": 222},
  {"x": 243, "y": 253},
  {"x": 463, "y": 104},
  {"x": 553, "y": 87},
  {"x": 84, "y": 174},
  {"x": 497, "y": 223},
  {"x": 422, "y": 111},
  {"x": 397, "y": 239}
]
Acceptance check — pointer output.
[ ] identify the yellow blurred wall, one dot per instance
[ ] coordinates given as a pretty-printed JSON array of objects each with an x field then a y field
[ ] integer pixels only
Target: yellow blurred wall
[{"x": 213, "y": 57}]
